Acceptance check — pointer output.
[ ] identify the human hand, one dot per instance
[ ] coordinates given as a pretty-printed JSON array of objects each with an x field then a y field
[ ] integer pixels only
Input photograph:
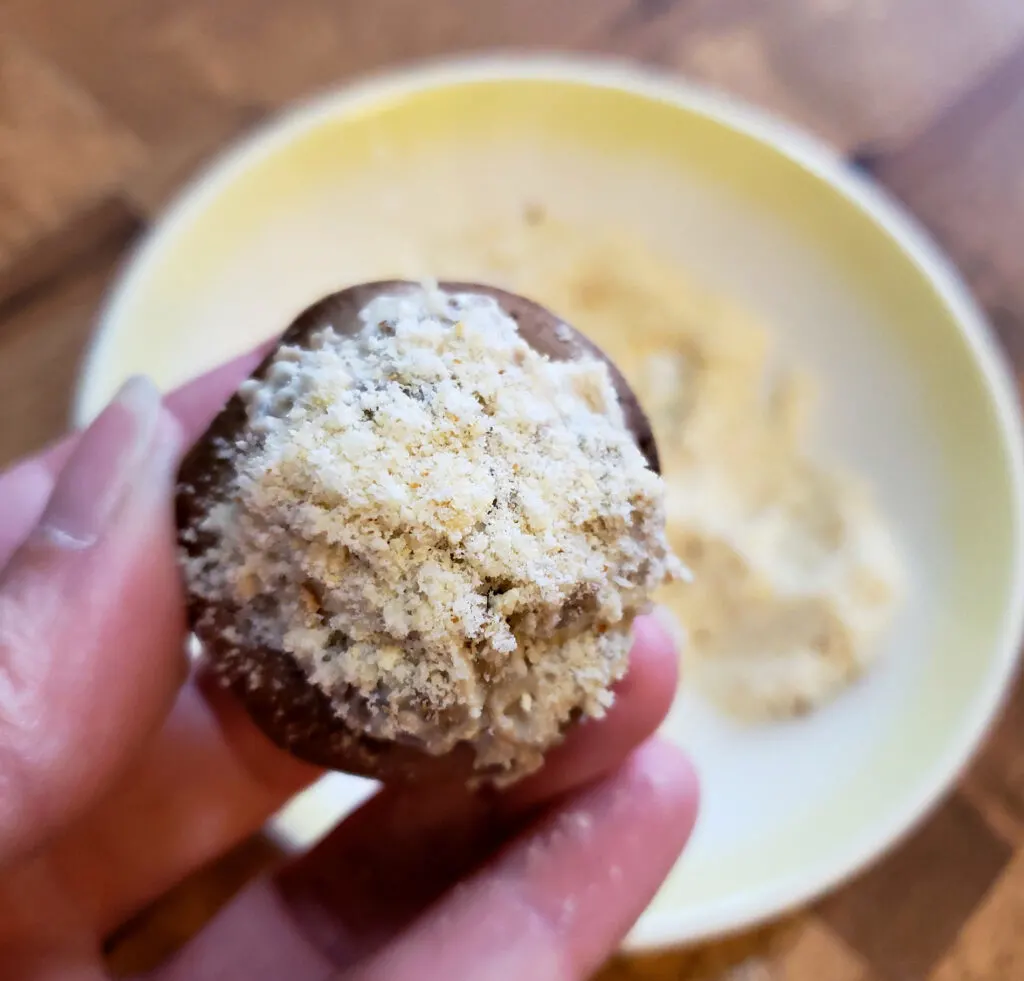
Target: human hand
[{"x": 119, "y": 774}]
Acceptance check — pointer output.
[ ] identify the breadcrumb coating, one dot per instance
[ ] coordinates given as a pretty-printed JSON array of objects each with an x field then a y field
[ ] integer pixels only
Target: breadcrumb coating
[{"x": 448, "y": 531}]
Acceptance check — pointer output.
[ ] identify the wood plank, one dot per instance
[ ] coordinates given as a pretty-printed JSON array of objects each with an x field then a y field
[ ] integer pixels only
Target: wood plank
[
  {"x": 797, "y": 950},
  {"x": 904, "y": 913},
  {"x": 995, "y": 782},
  {"x": 191, "y": 60},
  {"x": 102, "y": 45},
  {"x": 854, "y": 71},
  {"x": 989, "y": 948},
  {"x": 820, "y": 955},
  {"x": 41, "y": 343},
  {"x": 744, "y": 957},
  {"x": 149, "y": 189},
  {"x": 963, "y": 178},
  {"x": 56, "y": 254},
  {"x": 61, "y": 157}
]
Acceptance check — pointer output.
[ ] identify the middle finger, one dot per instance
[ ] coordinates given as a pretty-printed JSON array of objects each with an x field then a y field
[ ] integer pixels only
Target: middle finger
[
  {"x": 407, "y": 845},
  {"x": 211, "y": 779}
]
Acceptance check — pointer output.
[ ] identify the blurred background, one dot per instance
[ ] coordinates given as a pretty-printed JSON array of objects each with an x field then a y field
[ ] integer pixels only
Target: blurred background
[{"x": 107, "y": 106}]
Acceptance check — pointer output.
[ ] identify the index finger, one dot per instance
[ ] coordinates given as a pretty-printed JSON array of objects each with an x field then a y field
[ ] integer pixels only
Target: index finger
[
  {"x": 552, "y": 903},
  {"x": 194, "y": 404},
  {"x": 25, "y": 486}
]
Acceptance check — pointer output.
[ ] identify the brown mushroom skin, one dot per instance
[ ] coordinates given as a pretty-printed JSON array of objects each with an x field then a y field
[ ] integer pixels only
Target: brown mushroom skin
[{"x": 297, "y": 715}]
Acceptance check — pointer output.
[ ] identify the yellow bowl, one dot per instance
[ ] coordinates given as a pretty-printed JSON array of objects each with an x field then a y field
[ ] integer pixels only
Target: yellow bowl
[{"x": 435, "y": 171}]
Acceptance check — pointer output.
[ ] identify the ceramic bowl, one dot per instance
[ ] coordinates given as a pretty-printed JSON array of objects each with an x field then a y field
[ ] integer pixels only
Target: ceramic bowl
[{"x": 402, "y": 174}]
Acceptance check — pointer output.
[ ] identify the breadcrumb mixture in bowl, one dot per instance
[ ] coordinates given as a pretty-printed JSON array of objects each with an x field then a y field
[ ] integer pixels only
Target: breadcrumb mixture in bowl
[
  {"x": 796, "y": 571},
  {"x": 449, "y": 532}
]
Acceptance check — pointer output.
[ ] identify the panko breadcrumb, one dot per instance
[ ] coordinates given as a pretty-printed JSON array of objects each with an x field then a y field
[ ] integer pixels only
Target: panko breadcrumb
[{"x": 450, "y": 533}]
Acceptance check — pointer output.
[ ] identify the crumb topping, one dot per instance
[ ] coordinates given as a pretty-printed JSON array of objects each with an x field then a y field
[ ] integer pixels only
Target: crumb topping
[{"x": 449, "y": 532}]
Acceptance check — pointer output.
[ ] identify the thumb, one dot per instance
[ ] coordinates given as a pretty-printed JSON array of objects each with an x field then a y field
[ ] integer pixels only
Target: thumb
[{"x": 91, "y": 621}]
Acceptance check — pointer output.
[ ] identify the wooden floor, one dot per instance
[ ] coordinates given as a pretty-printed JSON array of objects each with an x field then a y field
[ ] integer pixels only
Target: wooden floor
[{"x": 106, "y": 105}]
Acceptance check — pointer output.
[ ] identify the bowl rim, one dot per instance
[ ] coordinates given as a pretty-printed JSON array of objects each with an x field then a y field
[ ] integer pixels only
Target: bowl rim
[{"x": 664, "y": 928}]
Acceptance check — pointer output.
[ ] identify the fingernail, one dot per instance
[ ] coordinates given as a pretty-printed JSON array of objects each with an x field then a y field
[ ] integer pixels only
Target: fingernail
[{"x": 100, "y": 471}]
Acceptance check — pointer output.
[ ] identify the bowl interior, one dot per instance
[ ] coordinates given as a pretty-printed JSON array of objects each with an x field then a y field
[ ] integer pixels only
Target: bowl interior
[{"x": 463, "y": 173}]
